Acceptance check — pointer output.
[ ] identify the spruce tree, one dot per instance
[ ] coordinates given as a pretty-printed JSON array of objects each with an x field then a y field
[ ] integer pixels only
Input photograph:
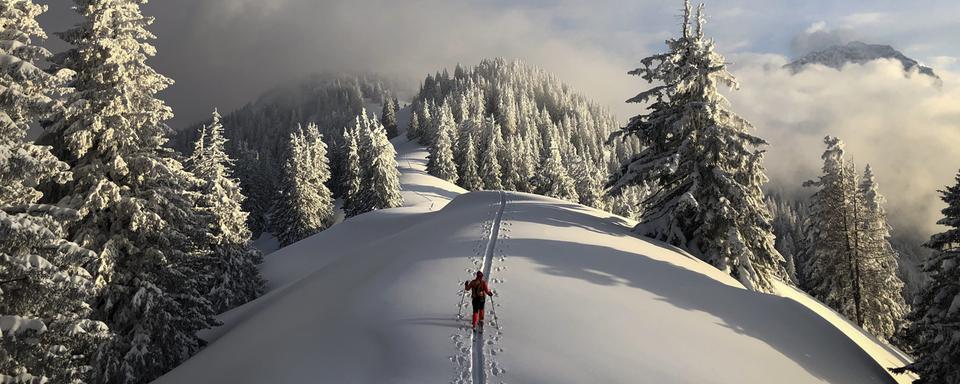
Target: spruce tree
[
  {"x": 256, "y": 183},
  {"x": 388, "y": 117},
  {"x": 236, "y": 278},
  {"x": 306, "y": 206},
  {"x": 414, "y": 131},
  {"x": 136, "y": 205},
  {"x": 350, "y": 180},
  {"x": 627, "y": 203},
  {"x": 704, "y": 161},
  {"x": 934, "y": 328},
  {"x": 45, "y": 282},
  {"x": 440, "y": 161},
  {"x": 471, "y": 177},
  {"x": 489, "y": 159},
  {"x": 883, "y": 304},
  {"x": 429, "y": 120},
  {"x": 789, "y": 226},
  {"x": 852, "y": 267},
  {"x": 380, "y": 178},
  {"x": 526, "y": 161},
  {"x": 588, "y": 183},
  {"x": 828, "y": 270},
  {"x": 553, "y": 179},
  {"x": 510, "y": 161}
]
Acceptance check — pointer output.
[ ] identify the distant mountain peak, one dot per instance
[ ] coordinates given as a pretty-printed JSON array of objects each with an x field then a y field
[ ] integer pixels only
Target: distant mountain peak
[{"x": 857, "y": 52}]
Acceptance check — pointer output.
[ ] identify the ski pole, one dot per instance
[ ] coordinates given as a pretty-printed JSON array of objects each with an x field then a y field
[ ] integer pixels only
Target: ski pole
[
  {"x": 460, "y": 307},
  {"x": 493, "y": 311}
]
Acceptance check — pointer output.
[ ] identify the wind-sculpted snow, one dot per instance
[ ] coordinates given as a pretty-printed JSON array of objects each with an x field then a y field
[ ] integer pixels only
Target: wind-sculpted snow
[{"x": 371, "y": 300}]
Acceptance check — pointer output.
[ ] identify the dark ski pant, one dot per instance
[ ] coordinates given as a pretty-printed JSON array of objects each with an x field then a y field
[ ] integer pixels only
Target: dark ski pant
[{"x": 478, "y": 303}]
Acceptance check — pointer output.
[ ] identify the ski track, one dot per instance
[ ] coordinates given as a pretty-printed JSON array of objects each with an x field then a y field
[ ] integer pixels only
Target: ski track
[{"x": 473, "y": 360}]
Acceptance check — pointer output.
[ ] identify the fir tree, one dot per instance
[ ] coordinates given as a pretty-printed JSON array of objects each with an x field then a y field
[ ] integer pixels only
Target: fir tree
[
  {"x": 471, "y": 177},
  {"x": 306, "y": 206},
  {"x": 934, "y": 329},
  {"x": 45, "y": 285},
  {"x": 705, "y": 163},
  {"x": 136, "y": 205},
  {"x": 236, "y": 278}
]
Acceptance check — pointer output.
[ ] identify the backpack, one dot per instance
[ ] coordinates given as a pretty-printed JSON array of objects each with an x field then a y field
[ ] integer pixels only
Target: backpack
[{"x": 476, "y": 288}]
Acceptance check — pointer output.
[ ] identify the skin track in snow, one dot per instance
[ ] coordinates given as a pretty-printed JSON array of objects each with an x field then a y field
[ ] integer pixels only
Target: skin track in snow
[
  {"x": 371, "y": 300},
  {"x": 478, "y": 367}
]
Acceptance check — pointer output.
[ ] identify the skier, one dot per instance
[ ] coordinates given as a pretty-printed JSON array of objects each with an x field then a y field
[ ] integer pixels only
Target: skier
[{"x": 478, "y": 293}]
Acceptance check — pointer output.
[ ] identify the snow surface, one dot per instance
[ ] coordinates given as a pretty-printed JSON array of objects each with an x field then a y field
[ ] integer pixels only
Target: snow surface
[{"x": 578, "y": 299}]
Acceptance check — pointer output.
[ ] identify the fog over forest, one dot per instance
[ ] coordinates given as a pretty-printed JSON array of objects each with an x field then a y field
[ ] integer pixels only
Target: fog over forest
[{"x": 223, "y": 53}]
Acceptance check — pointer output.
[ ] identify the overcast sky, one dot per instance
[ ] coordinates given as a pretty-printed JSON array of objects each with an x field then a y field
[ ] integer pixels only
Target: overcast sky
[{"x": 223, "y": 53}]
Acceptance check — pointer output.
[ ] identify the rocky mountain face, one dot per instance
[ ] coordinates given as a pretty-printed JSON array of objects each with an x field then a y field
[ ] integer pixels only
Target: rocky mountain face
[{"x": 858, "y": 53}]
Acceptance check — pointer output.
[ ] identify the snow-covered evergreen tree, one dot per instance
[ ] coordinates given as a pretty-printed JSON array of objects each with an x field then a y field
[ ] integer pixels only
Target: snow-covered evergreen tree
[
  {"x": 852, "y": 267},
  {"x": 552, "y": 178},
  {"x": 388, "y": 117},
  {"x": 46, "y": 334},
  {"x": 380, "y": 178},
  {"x": 883, "y": 304},
  {"x": 509, "y": 161},
  {"x": 829, "y": 270},
  {"x": 256, "y": 176},
  {"x": 525, "y": 103},
  {"x": 45, "y": 324},
  {"x": 789, "y": 226},
  {"x": 703, "y": 160},
  {"x": 27, "y": 93},
  {"x": 306, "y": 204},
  {"x": 934, "y": 329},
  {"x": 350, "y": 180},
  {"x": 588, "y": 182},
  {"x": 236, "y": 278},
  {"x": 526, "y": 161},
  {"x": 424, "y": 123},
  {"x": 470, "y": 180},
  {"x": 628, "y": 203},
  {"x": 136, "y": 204},
  {"x": 489, "y": 158},
  {"x": 440, "y": 162}
]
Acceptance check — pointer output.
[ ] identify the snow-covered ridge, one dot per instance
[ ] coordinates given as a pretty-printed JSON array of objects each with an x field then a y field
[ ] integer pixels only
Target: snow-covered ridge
[
  {"x": 857, "y": 53},
  {"x": 374, "y": 300}
]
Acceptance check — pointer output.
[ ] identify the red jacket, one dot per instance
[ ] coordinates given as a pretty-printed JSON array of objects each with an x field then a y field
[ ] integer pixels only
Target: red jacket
[{"x": 477, "y": 287}]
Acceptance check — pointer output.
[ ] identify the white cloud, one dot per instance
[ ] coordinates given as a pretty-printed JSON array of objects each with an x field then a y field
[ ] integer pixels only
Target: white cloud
[
  {"x": 905, "y": 127},
  {"x": 819, "y": 36},
  {"x": 866, "y": 18}
]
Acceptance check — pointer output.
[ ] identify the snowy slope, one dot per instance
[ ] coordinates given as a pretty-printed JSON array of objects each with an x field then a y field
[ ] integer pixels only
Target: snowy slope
[{"x": 374, "y": 300}]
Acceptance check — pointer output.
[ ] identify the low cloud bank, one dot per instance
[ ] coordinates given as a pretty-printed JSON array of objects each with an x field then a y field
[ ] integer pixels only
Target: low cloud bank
[{"x": 905, "y": 126}]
